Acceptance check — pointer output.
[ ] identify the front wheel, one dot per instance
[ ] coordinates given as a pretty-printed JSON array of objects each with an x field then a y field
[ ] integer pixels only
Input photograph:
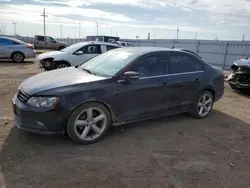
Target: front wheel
[
  {"x": 203, "y": 105},
  {"x": 89, "y": 123},
  {"x": 60, "y": 65}
]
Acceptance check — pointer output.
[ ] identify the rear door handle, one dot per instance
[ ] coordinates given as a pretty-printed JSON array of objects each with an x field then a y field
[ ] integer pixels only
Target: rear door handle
[
  {"x": 164, "y": 83},
  {"x": 197, "y": 79}
]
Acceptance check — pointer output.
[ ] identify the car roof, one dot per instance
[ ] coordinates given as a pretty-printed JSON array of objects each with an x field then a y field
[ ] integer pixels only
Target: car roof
[
  {"x": 2, "y": 37},
  {"x": 145, "y": 50},
  {"x": 102, "y": 43}
]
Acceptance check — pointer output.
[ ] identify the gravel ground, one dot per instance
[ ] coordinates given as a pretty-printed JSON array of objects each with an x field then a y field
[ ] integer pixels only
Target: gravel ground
[{"x": 171, "y": 152}]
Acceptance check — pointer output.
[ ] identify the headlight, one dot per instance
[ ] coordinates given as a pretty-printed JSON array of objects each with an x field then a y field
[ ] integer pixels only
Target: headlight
[{"x": 43, "y": 101}]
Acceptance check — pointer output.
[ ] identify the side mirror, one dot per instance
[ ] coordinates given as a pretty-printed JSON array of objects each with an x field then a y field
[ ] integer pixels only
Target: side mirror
[
  {"x": 79, "y": 52},
  {"x": 131, "y": 75}
]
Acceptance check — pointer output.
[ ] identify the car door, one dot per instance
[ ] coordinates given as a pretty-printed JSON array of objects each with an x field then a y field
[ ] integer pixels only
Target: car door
[
  {"x": 184, "y": 81},
  {"x": 40, "y": 42},
  {"x": 85, "y": 53},
  {"x": 145, "y": 97},
  {"x": 6, "y": 48},
  {"x": 51, "y": 43}
]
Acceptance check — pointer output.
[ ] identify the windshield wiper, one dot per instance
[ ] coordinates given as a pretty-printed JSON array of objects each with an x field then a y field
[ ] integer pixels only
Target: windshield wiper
[{"x": 88, "y": 71}]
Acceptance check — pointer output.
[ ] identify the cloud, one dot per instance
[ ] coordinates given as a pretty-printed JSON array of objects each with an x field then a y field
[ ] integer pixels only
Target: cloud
[{"x": 31, "y": 13}]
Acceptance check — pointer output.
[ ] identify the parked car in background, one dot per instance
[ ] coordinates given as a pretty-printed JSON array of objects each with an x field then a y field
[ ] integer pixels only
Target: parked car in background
[
  {"x": 124, "y": 44},
  {"x": 46, "y": 42},
  {"x": 16, "y": 50},
  {"x": 120, "y": 86},
  {"x": 239, "y": 78},
  {"x": 73, "y": 55}
]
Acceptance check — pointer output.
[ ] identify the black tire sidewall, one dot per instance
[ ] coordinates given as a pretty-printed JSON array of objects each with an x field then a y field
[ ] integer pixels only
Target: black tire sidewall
[
  {"x": 194, "y": 111},
  {"x": 60, "y": 63},
  {"x": 74, "y": 115},
  {"x": 15, "y": 54}
]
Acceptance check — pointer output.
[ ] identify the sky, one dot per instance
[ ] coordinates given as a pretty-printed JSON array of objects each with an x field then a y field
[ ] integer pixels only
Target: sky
[{"x": 201, "y": 19}]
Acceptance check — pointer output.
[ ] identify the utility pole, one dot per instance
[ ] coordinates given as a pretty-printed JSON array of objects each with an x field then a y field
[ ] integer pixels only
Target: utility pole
[
  {"x": 79, "y": 30},
  {"x": 61, "y": 30},
  {"x": 111, "y": 30},
  {"x": 116, "y": 33},
  {"x": 196, "y": 36},
  {"x": 96, "y": 28},
  {"x": 177, "y": 33},
  {"x": 14, "y": 24},
  {"x": 243, "y": 38},
  {"x": 44, "y": 16}
]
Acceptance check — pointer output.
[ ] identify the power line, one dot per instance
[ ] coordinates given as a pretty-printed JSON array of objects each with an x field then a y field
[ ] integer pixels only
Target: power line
[{"x": 44, "y": 16}]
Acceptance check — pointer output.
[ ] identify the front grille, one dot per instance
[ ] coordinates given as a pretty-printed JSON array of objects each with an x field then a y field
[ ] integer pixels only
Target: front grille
[
  {"x": 24, "y": 97},
  {"x": 243, "y": 78}
]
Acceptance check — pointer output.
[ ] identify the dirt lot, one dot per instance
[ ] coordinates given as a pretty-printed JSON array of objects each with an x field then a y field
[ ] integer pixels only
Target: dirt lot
[{"x": 172, "y": 152}]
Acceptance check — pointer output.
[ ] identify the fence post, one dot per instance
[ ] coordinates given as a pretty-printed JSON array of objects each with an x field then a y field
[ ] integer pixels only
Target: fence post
[
  {"x": 198, "y": 47},
  {"x": 225, "y": 56}
]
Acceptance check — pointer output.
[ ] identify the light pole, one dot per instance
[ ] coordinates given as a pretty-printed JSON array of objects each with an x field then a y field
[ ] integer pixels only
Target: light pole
[
  {"x": 116, "y": 33},
  {"x": 79, "y": 30},
  {"x": 96, "y": 27},
  {"x": 14, "y": 24},
  {"x": 61, "y": 30}
]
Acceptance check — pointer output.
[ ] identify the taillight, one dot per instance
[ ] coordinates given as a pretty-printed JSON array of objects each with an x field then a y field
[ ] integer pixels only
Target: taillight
[
  {"x": 30, "y": 46},
  {"x": 225, "y": 75}
]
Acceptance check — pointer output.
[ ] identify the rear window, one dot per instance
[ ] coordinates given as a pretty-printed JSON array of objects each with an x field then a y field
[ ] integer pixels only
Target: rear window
[
  {"x": 40, "y": 38},
  {"x": 111, "y": 47}
]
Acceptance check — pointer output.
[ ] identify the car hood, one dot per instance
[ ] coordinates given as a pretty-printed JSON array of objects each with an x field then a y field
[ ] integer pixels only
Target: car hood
[
  {"x": 243, "y": 62},
  {"x": 52, "y": 54},
  {"x": 57, "y": 78}
]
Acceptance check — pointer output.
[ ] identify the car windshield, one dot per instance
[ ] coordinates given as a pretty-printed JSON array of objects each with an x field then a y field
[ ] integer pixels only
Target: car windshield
[
  {"x": 109, "y": 63},
  {"x": 74, "y": 47}
]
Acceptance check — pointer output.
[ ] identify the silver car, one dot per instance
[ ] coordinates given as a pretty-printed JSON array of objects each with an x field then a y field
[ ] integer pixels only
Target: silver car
[{"x": 16, "y": 50}]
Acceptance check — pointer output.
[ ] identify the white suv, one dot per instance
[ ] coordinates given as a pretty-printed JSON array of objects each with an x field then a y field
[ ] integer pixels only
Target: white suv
[{"x": 73, "y": 55}]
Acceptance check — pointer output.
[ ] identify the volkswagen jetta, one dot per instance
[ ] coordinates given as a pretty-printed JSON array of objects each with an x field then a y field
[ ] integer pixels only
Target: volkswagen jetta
[{"x": 121, "y": 86}]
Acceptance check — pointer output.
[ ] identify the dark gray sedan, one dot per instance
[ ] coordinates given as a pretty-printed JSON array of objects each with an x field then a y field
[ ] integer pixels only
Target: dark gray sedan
[{"x": 120, "y": 86}]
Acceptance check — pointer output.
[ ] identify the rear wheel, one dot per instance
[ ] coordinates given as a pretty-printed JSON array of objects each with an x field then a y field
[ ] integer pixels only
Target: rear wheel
[
  {"x": 60, "y": 48},
  {"x": 203, "y": 105},
  {"x": 17, "y": 57},
  {"x": 89, "y": 123}
]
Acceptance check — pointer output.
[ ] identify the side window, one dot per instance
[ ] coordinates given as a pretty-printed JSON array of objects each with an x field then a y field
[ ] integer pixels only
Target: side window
[
  {"x": 40, "y": 38},
  {"x": 15, "y": 43},
  {"x": 151, "y": 66},
  {"x": 92, "y": 49},
  {"x": 5, "y": 42},
  {"x": 198, "y": 66},
  {"x": 180, "y": 63},
  {"x": 50, "y": 39},
  {"x": 111, "y": 47}
]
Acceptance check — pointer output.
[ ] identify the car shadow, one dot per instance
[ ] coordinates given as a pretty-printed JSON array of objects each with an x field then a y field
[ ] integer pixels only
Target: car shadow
[
  {"x": 33, "y": 160},
  {"x": 4, "y": 62}
]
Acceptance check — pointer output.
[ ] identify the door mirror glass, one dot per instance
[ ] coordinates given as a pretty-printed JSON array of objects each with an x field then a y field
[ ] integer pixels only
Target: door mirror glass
[
  {"x": 79, "y": 52},
  {"x": 130, "y": 75}
]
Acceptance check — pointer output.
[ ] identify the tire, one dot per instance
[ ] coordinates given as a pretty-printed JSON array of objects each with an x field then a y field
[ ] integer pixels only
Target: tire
[
  {"x": 233, "y": 87},
  {"x": 60, "y": 48},
  {"x": 201, "y": 103},
  {"x": 17, "y": 57},
  {"x": 88, "y": 128},
  {"x": 60, "y": 65}
]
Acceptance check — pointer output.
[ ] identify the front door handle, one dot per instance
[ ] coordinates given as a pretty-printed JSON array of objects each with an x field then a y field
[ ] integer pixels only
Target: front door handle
[
  {"x": 197, "y": 79},
  {"x": 164, "y": 83}
]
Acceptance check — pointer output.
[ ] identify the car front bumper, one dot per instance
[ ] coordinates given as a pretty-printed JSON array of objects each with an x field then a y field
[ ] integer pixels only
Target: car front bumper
[
  {"x": 239, "y": 85},
  {"x": 43, "y": 121}
]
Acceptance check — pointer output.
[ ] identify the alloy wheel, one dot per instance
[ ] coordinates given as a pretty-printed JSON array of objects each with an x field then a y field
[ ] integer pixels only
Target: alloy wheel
[
  {"x": 18, "y": 57},
  {"x": 205, "y": 105},
  {"x": 90, "y": 124},
  {"x": 61, "y": 66}
]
